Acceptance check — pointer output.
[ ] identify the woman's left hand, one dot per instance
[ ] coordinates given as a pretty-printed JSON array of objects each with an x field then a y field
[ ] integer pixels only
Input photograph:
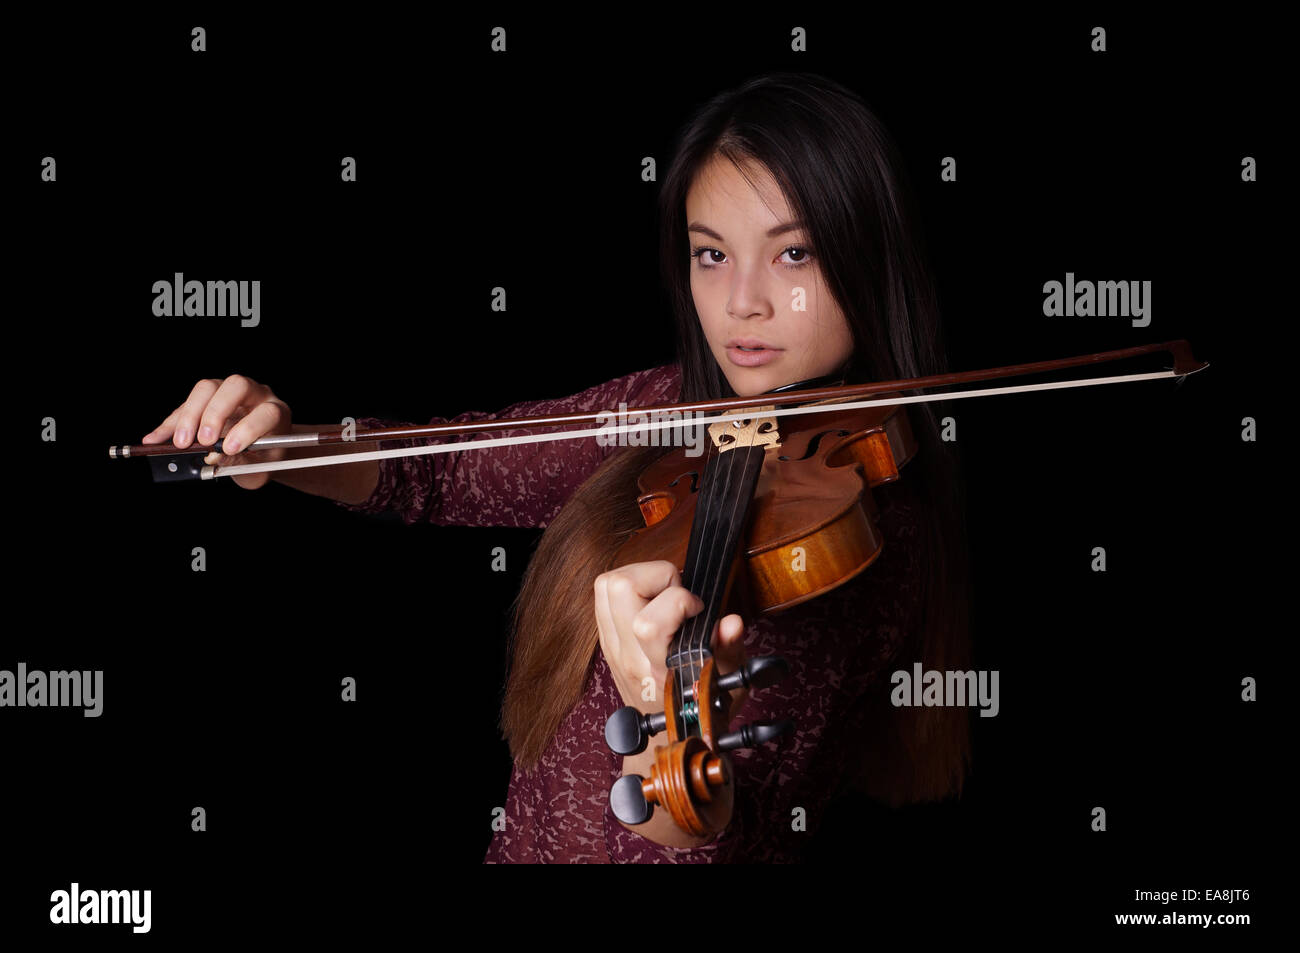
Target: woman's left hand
[{"x": 639, "y": 608}]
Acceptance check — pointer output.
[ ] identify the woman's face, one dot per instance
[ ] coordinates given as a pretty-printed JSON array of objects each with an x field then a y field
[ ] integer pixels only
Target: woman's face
[{"x": 767, "y": 315}]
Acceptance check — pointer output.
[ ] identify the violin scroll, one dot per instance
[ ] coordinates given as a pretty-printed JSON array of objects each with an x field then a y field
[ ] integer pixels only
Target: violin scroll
[{"x": 691, "y": 777}]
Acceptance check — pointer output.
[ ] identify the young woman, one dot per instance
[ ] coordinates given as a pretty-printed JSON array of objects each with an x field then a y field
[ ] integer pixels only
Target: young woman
[{"x": 790, "y": 251}]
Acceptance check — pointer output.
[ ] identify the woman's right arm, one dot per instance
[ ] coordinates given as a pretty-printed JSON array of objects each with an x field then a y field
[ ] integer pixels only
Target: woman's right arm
[
  {"x": 240, "y": 410},
  {"x": 522, "y": 486}
]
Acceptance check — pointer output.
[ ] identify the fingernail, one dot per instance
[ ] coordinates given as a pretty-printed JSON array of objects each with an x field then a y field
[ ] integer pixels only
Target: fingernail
[
  {"x": 230, "y": 446},
  {"x": 205, "y": 433},
  {"x": 182, "y": 436}
]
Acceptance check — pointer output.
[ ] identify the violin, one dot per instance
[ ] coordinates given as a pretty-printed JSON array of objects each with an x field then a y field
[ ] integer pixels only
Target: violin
[
  {"x": 790, "y": 503},
  {"x": 780, "y": 503}
]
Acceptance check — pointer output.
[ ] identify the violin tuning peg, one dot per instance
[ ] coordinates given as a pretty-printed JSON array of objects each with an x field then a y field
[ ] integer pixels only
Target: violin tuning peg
[
  {"x": 756, "y": 673},
  {"x": 628, "y": 731},
  {"x": 628, "y": 802},
  {"x": 753, "y": 735}
]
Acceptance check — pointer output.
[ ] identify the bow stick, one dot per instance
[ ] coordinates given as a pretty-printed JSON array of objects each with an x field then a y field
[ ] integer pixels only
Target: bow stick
[{"x": 813, "y": 400}]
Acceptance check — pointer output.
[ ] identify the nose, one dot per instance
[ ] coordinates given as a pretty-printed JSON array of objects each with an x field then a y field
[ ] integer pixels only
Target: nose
[{"x": 748, "y": 298}]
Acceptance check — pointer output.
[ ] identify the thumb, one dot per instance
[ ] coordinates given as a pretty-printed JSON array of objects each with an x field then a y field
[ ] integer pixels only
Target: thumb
[{"x": 728, "y": 643}]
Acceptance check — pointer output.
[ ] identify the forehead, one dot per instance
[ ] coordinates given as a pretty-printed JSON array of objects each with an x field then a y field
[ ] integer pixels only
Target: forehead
[{"x": 722, "y": 192}]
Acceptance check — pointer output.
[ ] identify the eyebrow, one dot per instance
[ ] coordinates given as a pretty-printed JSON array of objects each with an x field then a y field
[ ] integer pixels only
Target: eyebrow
[{"x": 771, "y": 232}]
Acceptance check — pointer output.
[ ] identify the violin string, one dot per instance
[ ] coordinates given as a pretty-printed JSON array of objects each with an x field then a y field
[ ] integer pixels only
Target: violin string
[
  {"x": 685, "y": 636},
  {"x": 720, "y": 481},
  {"x": 701, "y": 631},
  {"x": 701, "y": 512},
  {"x": 719, "y": 473},
  {"x": 213, "y": 471},
  {"x": 700, "y": 634},
  {"x": 733, "y": 518},
  {"x": 716, "y": 564}
]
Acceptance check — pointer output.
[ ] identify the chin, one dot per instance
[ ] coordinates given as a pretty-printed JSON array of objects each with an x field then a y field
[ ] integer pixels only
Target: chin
[{"x": 751, "y": 383}]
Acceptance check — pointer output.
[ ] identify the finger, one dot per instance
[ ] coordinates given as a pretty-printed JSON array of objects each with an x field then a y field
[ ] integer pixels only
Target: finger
[
  {"x": 265, "y": 418},
  {"x": 730, "y": 630},
  {"x": 187, "y": 418},
  {"x": 248, "y": 481},
  {"x": 225, "y": 459},
  {"x": 165, "y": 429},
  {"x": 621, "y": 599},
  {"x": 629, "y": 588},
  {"x": 234, "y": 391},
  {"x": 641, "y": 651},
  {"x": 729, "y": 643},
  {"x": 622, "y": 594},
  {"x": 660, "y": 618},
  {"x": 729, "y": 654},
  {"x": 648, "y": 579},
  {"x": 605, "y": 623}
]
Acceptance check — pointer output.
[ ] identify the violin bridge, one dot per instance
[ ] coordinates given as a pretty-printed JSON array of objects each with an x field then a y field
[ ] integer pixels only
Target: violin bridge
[{"x": 746, "y": 429}]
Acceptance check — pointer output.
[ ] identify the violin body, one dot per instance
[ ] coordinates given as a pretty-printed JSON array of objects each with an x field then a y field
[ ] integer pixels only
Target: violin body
[{"x": 813, "y": 521}]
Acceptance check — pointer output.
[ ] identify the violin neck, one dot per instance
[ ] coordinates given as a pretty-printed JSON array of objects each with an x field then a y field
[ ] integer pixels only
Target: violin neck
[{"x": 717, "y": 531}]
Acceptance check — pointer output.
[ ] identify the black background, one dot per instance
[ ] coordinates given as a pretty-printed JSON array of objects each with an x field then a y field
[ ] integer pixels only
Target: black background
[{"x": 1119, "y": 689}]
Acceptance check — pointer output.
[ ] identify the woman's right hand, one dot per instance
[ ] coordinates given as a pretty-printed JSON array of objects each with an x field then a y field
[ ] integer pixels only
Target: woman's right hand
[{"x": 238, "y": 410}]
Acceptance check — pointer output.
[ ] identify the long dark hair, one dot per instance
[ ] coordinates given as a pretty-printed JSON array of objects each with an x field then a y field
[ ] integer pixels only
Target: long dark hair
[{"x": 844, "y": 178}]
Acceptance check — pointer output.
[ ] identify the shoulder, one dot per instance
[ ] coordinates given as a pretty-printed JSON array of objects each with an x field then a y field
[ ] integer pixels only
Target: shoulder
[
  {"x": 640, "y": 388},
  {"x": 654, "y": 383}
]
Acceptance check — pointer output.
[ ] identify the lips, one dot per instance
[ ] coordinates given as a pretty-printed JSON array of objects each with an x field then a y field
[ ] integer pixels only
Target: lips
[{"x": 751, "y": 352}]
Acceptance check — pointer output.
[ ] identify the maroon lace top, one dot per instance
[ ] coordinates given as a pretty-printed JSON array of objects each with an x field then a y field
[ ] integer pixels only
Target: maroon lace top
[{"x": 839, "y": 646}]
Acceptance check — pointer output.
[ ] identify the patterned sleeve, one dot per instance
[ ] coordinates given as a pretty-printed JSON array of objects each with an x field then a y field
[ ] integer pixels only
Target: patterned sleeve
[
  {"x": 522, "y": 485},
  {"x": 841, "y": 647}
]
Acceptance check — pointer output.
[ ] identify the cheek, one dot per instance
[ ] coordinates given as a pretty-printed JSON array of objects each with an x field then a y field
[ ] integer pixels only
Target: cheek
[
  {"x": 706, "y": 306},
  {"x": 700, "y": 287},
  {"x": 829, "y": 319},
  {"x": 826, "y": 334},
  {"x": 839, "y": 339}
]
